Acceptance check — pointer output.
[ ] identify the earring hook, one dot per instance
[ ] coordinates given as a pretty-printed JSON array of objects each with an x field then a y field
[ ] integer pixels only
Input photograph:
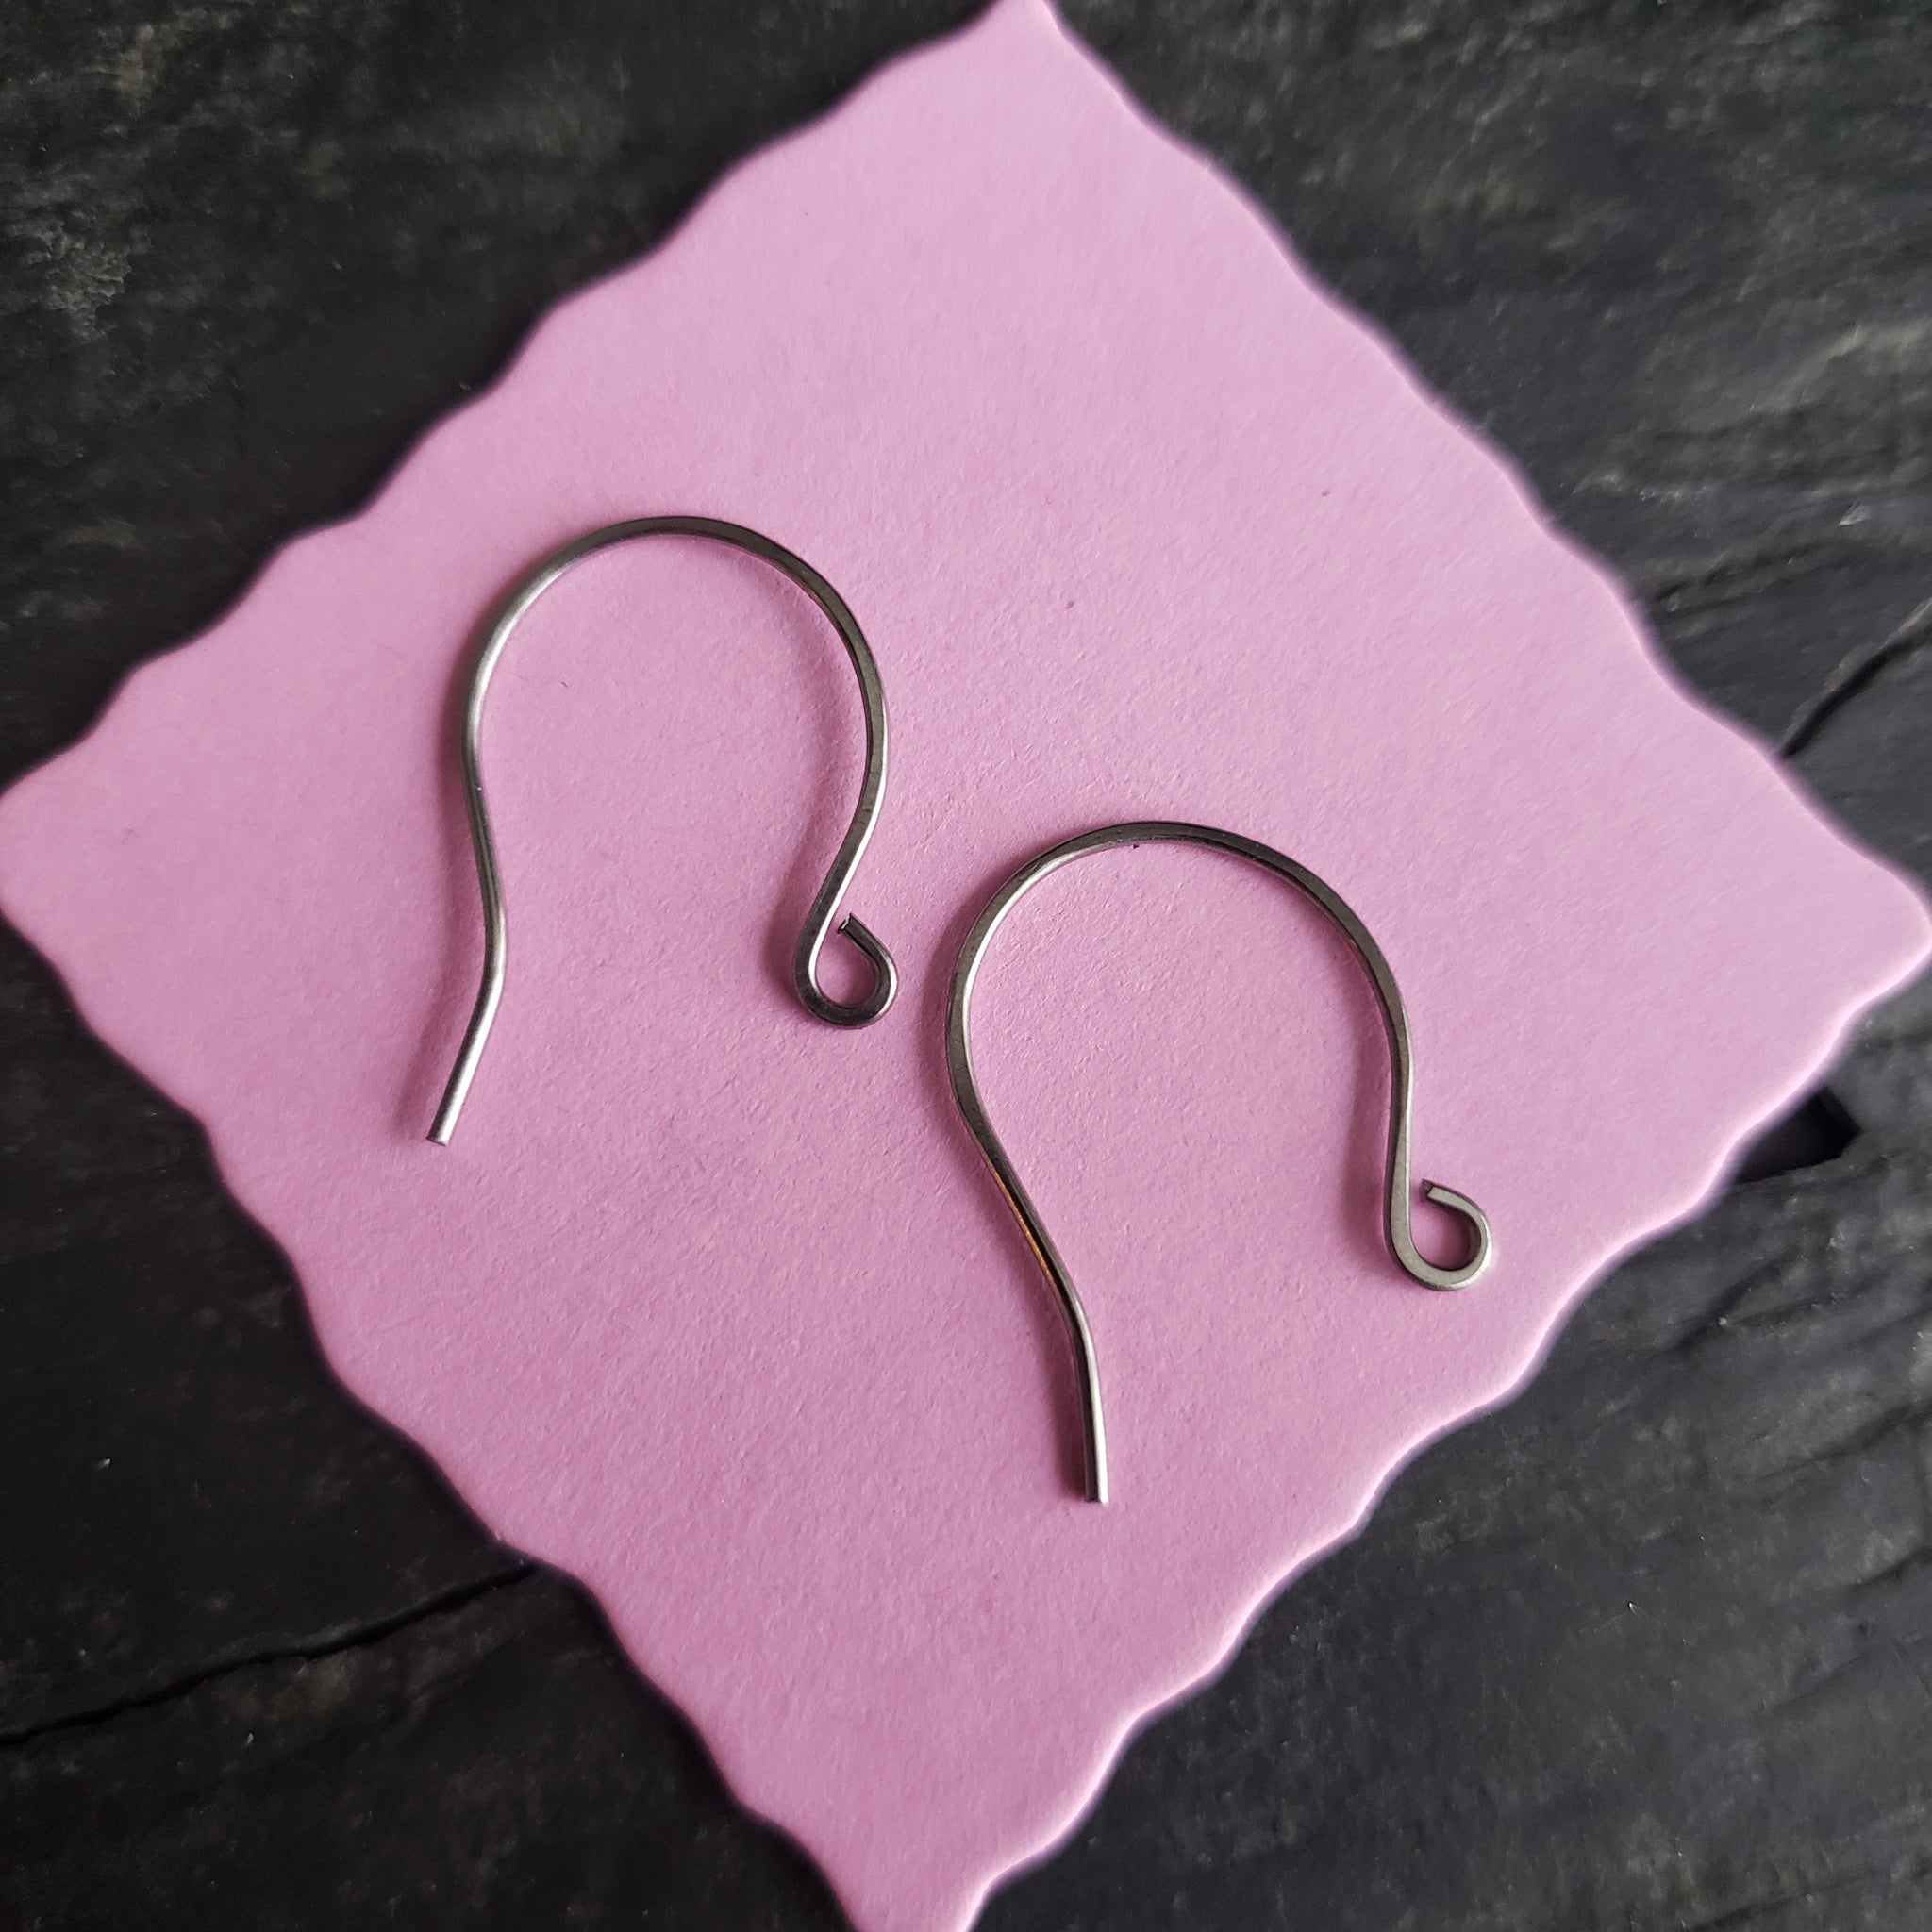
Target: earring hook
[
  {"x": 1397, "y": 1219},
  {"x": 824, "y": 907}
]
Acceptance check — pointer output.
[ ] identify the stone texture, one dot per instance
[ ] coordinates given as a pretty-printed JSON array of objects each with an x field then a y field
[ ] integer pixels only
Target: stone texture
[
  {"x": 1651, "y": 1648},
  {"x": 1674, "y": 258},
  {"x": 494, "y": 1764},
  {"x": 1647, "y": 1649}
]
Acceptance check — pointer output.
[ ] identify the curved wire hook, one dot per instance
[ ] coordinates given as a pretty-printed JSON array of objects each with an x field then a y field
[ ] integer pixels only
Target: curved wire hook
[
  {"x": 824, "y": 907},
  {"x": 1402, "y": 1084}
]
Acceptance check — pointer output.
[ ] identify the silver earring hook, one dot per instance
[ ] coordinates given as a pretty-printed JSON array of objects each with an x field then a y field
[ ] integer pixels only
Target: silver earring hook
[
  {"x": 1402, "y": 1084},
  {"x": 824, "y": 907}
]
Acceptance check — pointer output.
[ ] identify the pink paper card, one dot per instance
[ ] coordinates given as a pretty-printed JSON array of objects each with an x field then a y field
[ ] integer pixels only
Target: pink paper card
[{"x": 716, "y": 1307}]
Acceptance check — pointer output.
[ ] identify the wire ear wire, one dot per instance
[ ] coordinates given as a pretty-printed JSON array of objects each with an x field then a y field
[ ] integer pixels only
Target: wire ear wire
[
  {"x": 818, "y": 920},
  {"x": 1396, "y": 1211}
]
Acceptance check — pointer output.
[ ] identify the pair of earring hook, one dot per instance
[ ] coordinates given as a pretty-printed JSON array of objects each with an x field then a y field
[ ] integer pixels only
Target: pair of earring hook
[{"x": 819, "y": 924}]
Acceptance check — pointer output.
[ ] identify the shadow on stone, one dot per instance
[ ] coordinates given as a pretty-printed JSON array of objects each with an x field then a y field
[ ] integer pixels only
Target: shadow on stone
[{"x": 1818, "y": 1129}]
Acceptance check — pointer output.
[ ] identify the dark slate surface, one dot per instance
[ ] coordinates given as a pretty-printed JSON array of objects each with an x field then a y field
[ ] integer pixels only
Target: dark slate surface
[{"x": 1648, "y": 1649}]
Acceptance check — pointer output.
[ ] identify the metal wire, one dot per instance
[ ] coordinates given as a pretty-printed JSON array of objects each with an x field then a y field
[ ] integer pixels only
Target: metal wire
[
  {"x": 1402, "y": 1080},
  {"x": 824, "y": 907}
]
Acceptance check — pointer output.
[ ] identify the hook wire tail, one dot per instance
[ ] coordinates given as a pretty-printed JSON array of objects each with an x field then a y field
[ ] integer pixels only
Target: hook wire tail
[
  {"x": 824, "y": 907},
  {"x": 966, "y": 1092},
  {"x": 973, "y": 1107}
]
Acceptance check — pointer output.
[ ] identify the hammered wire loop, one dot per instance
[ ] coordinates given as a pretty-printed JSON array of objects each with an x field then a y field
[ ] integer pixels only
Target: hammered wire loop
[
  {"x": 1396, "y": 1218},
  {"x": 824, "y": 907}
]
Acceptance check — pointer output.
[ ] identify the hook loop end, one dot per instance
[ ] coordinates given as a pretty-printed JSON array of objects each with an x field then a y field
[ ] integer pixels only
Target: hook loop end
[
  {"x": 860, "y": 1012},
  {"x": 1482, "y": 1247}
]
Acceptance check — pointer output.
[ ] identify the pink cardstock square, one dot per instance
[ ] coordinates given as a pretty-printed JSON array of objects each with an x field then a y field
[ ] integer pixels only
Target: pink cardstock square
[{"x": 716, "y": 1307}]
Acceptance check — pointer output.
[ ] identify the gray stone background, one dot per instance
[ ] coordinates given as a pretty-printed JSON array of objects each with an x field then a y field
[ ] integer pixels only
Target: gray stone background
[{"x": 1651, "y": 1648}]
